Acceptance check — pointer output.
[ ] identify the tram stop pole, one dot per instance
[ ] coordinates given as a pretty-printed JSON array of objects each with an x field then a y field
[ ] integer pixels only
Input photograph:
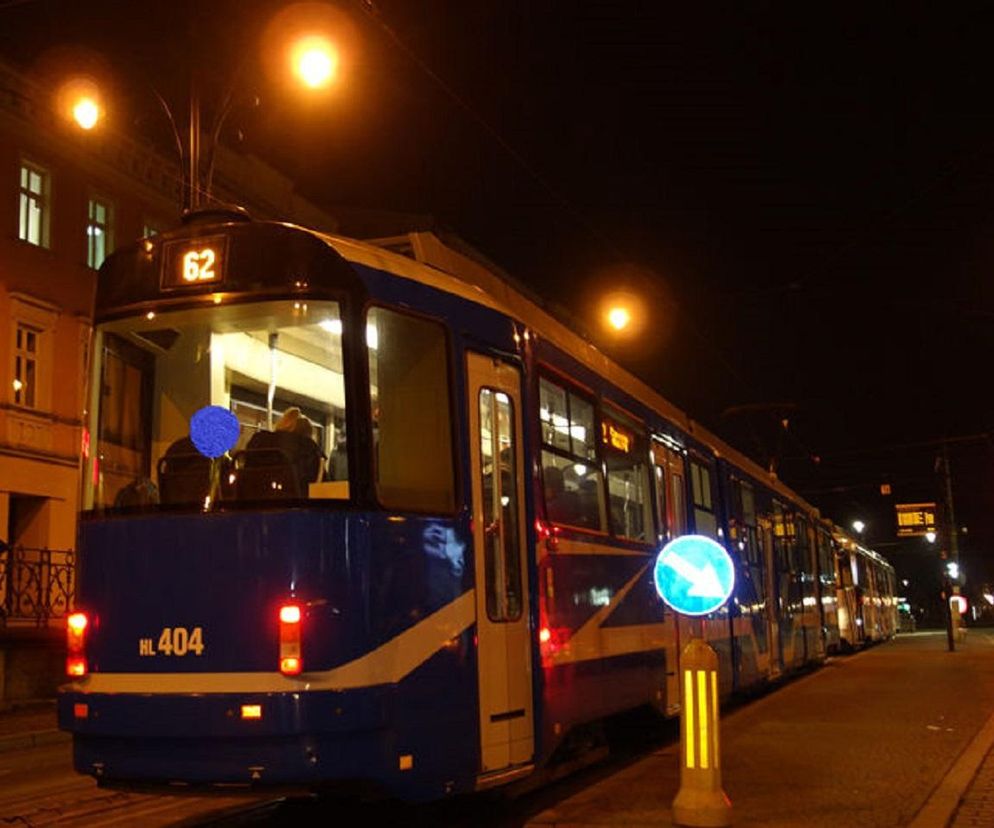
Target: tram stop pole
[{"x": 701, "y": 801}]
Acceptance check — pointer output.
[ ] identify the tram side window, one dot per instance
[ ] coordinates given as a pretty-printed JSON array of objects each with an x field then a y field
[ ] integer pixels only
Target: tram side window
[
  {"x": 780, "y": 540},
  {"x": 571, "y": 474},
  {"x": 671, "y": 507},
  {"x": 802, "y": 550},
  {"x": 746, "y": 504},
  {"x": 500, "y": 506},
  {"x": 412, "y": 432},
  {"x": 826, "y": 571},
  {"x": 704, "y": 519},
  {"x": 125, "y": 403},
  {"x": 627, "y": 478}
]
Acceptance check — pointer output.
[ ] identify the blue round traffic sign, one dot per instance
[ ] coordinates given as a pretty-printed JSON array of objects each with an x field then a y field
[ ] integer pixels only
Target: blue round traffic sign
[{"x": 694, "y": 574}]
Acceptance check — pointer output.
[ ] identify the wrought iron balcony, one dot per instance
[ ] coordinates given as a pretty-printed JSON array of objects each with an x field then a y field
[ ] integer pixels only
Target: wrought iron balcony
[{"x": 36, "y": 585}]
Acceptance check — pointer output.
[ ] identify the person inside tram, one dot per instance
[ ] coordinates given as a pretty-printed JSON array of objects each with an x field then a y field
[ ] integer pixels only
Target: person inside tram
[{"x": 293, "y": 436}]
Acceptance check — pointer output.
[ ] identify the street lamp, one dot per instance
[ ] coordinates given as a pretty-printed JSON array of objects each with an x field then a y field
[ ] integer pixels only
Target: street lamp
[
  {"x": 619, "y": 317},
  {"x": 79, "y": 101},
  {"x": 858, "y": 526},
  {"x": 313, "y": 61},
  {"x": 622, "y": 313}
]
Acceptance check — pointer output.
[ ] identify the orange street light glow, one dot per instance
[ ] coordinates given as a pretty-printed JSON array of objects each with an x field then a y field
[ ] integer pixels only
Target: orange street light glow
[
  {"x": 619, "y": 318},
  {"x": 86, "y": 112},
  {"x": 315, "y": 62}
]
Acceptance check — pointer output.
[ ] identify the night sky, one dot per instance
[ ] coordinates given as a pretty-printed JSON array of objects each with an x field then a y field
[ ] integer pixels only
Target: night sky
[{"x": 803, "y": 198}]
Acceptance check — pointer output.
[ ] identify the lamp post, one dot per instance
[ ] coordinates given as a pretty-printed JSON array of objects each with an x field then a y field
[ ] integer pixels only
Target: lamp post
[{"x": 312, "y": 59}]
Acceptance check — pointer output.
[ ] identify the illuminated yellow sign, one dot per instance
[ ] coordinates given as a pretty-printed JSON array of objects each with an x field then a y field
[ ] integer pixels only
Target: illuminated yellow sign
[
  {"x": 198, "y": 265},
  {"x": 194, "y": 262},
  {"x": 616, "y": 437},
  {"x": 914, "y": 519}
]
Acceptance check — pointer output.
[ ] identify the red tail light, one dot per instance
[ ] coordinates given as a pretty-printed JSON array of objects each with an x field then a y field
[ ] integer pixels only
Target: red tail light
[
  {"x": 291, "y": 661},
  {"x": 76, "y": 624}
]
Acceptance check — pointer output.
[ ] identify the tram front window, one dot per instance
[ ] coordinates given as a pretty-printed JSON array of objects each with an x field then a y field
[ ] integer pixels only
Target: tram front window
[{"x": 275, "y": 367}]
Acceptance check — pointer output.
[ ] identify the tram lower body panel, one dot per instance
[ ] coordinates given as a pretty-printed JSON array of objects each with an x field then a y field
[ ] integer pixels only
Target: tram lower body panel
[
  {"x": 408, "y": 740},
  {"x": 388, "y": 691}
]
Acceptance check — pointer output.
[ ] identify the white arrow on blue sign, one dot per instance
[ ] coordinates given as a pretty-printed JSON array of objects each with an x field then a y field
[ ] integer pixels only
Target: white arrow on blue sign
[{"x": 694, "y": 574}]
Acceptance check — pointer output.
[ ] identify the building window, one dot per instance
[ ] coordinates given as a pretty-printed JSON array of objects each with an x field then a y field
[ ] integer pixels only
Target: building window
[
  {"x": 26, "y": 341},
  {"x": 98, "y": 233},
  {"x": 33, "y": 227}
]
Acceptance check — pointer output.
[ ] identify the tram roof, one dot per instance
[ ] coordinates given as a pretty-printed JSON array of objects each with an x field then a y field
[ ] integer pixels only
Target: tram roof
[{"x": 434, "y": 263}]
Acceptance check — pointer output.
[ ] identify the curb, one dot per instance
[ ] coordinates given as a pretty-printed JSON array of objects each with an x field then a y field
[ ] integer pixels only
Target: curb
[
  {"x": 31, "y": 739},
  {"x": 941, "y": 805}
]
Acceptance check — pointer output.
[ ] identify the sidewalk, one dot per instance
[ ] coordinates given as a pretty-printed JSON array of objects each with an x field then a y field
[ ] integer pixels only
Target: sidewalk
[
  {"x": 897, "y": 735},
  {"x": 29, "y": 725}
]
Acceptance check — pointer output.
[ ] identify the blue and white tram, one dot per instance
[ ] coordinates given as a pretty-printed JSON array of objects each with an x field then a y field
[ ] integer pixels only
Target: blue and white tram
[{"x": 463, "y": 583}]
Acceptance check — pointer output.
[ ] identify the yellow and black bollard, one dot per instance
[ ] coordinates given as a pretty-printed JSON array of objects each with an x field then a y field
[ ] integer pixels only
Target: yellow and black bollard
[{"x": 701, "y": 801}]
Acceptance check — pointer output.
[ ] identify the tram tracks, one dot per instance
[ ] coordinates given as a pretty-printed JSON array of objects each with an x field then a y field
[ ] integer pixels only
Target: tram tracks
[{"x": 80, "y": 803}]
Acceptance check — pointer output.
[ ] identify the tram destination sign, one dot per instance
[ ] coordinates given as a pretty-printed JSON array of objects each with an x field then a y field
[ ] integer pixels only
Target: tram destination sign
[
  {"x": 694, "y": 575},
  {"x": 914, "y": 519},
  {"x": 191, "y": 263}
]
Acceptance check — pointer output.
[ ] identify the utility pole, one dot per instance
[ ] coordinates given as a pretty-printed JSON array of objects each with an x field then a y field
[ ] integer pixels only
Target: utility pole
[
  {"x": 952, "y": 607},
  {"x": 951, "y": 514}
]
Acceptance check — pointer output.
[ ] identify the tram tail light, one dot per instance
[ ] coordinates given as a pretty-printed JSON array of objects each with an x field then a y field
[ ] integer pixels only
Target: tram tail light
[
  {"x": 291, "y": 661},
  {"x": 76, "y": 625}
]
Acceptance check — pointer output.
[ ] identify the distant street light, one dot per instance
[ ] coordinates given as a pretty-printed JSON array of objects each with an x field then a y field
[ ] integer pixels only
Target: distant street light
[
  {"x": 858, "y": 526},
  {"x": 930, "y": 536}
]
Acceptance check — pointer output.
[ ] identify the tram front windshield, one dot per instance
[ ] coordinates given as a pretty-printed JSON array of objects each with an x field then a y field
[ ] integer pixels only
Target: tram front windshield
[{"x": 267, "y": 379}]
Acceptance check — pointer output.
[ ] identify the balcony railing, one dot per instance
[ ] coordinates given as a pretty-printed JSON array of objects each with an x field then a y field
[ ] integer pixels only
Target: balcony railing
[{"x": 36, "y": 585}]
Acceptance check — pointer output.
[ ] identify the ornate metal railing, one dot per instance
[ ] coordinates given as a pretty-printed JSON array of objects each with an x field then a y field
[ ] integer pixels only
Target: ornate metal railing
[{"x": 36, "y": 585}]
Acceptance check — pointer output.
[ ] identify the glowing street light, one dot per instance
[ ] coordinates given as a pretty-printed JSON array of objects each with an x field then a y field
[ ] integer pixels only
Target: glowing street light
[
  {"x": 79, "y": 101},
  {"x": 86, "y": 113},
  {"x": 619, "y": 317},
  {"x": 858, "y": 526},
  {"x": 930, "y": 536},
  {"x": 314, "y": 61}
]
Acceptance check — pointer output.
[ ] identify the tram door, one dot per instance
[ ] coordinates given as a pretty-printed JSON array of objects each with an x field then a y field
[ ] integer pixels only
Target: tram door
[
  {"x": 772, "y": 598},
  {"x": 504, "y": 645}
]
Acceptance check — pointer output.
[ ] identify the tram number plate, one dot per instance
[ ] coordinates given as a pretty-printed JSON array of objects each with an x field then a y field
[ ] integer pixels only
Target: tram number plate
[{"x": 174, "y": 641}]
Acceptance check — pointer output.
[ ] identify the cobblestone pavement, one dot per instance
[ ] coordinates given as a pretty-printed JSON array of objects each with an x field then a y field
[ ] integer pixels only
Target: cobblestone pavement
[
  {"x": 976, "y": 809},
  {"x": 32, "y": 717}
]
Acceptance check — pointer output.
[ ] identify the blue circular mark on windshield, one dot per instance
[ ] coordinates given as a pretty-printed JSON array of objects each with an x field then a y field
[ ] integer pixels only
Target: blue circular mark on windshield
[{"x": 214, "y": 430}]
